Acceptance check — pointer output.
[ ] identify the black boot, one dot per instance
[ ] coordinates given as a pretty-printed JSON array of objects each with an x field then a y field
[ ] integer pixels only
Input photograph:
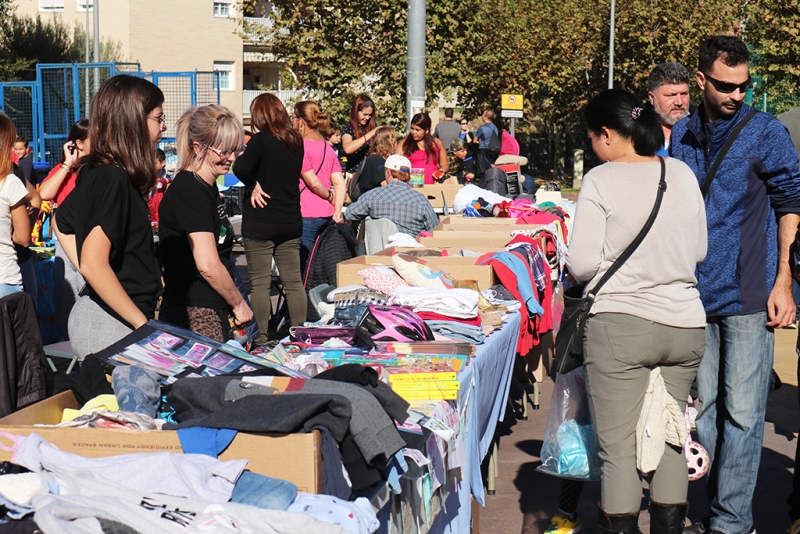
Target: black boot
[
  {"x": 667, "y": 518},
  {"x": 616, "y": 523}
]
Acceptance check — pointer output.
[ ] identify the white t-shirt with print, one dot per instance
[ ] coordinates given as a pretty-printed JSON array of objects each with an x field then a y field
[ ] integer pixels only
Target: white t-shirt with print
[{"x": 11, "y": 192}]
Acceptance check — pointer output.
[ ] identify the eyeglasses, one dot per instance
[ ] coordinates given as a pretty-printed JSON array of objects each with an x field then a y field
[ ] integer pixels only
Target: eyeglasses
[
  {"x": 227, "y": 152},
  {"x": 161, "y": 119},
  {"x": 728, "y": 87}
]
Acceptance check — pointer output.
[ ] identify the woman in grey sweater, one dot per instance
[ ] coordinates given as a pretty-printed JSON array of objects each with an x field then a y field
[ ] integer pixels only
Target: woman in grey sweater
[{"x": 649, "y": 313}]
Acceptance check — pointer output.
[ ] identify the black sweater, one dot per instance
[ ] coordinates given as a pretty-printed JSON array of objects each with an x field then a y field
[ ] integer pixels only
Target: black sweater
[{"x": 277, "y": 169}]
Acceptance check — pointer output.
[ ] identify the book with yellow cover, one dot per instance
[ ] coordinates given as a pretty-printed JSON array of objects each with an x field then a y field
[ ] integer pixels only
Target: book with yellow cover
[
  {"x": 418, "y": 372},
  {"x": 449, "y": 394},
  {"x": 426, "y": 385}
]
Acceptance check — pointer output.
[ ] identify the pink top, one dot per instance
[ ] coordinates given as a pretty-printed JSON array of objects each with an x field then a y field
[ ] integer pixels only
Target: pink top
[
  {"x": 311, "y": 205},
  {"x": 418, "y": 161}
]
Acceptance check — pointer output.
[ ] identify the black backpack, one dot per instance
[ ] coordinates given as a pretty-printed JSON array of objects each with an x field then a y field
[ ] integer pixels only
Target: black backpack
[
  {"x": 495, "y": 180},
  {"x": 495, "y": 145},
  {"x": 353, "y": 187}
]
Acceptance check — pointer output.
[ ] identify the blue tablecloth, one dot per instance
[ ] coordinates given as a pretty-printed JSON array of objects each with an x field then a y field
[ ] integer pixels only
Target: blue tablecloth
[{"x": 484, "y": 392}]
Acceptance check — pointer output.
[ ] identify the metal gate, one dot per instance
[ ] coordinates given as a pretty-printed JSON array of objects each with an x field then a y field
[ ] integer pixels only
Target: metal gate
[{"x": 19, "y": 100}]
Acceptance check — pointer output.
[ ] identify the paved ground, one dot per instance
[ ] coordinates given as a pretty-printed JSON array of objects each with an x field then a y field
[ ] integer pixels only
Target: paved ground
[{"x": 526, "y": 499}]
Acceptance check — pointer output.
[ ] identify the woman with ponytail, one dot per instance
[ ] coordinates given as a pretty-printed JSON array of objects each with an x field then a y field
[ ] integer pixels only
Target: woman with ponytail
[
  {"x": 648, "y": 315},
  {"x": 196, "y": 235},
  {"x": 321, "y": 173}
]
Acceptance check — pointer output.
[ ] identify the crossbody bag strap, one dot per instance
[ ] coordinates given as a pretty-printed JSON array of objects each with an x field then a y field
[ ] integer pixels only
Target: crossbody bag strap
[
  {"x": 662, "y": 186},
  {"x": 717, "y": 162},
  {"x": 324, "y": 153}
]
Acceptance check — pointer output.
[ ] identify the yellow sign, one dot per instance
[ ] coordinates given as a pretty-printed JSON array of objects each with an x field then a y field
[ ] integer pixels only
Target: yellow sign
[{"x": 511, "y": 102}]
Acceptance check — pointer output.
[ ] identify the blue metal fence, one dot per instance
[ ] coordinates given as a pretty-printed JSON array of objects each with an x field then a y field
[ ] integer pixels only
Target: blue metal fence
[
  {"x": 19, "y": 100},
  {"x": 45, "y": 110}
]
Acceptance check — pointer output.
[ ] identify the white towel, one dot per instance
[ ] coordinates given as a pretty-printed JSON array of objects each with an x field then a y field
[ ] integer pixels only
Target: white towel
[{"x": 660, "y": 422}]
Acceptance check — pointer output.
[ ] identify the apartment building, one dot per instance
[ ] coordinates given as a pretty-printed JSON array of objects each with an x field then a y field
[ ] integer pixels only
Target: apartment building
[{"x": 175, "y": 35}]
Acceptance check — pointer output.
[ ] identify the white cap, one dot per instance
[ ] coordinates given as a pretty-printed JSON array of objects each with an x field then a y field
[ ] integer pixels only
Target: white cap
[{"x": 396, "y": 162}]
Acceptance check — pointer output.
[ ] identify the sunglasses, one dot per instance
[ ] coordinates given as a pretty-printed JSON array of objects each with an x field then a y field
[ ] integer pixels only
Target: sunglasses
[
  {"x": 728, "y": 87},
  {"x": 463, "y": 124},
  {"x": 227, "y": 152}
]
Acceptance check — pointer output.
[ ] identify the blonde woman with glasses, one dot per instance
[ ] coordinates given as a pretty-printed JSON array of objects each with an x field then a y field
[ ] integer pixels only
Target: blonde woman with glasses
[{"x": 196, "y": 236}]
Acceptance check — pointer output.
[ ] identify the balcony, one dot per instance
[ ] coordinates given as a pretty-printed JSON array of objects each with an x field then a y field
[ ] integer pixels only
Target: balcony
[{"x": 287, "y": 97}]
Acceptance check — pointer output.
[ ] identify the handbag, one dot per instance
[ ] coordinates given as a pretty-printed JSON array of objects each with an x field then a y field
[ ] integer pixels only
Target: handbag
[{"x": 569, "y": 340}]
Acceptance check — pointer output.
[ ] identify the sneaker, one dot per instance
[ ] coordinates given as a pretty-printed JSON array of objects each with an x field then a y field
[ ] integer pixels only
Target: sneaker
[
  {"x": 561, "y": 524},
  {"x": 795, "y": 528},
  {"x": 697, "y": 528}
]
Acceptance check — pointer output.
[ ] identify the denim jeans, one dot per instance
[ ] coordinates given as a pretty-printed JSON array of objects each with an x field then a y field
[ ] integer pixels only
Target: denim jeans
[
  {"x": 8, "y": 289},
  {"x": 263, "y": 491},
  {"x": 733, "y": 382},
  {"x": 311, "y": 229}
]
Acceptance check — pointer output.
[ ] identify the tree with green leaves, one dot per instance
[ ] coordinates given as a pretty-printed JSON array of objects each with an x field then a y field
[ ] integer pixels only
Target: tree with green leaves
[{"x": 25, "y": 41}]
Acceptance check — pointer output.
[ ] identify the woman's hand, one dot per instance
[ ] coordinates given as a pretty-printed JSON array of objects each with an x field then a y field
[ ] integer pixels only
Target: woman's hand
[
  {"x": 242, "y": 314},
  {"x": 258, "y": 198},
  {"x": 337, "y": 217},
  {"x": 70, "y": 154}
]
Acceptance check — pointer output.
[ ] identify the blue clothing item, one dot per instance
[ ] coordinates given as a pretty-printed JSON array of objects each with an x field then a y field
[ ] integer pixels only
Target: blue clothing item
[
  {"x": 484, "y": 133},
  {"x": 137, "y": 389},
  {"x": 524, "y": 283},
  {"x": 758, "y": 179},
  {"x": 454, "y": 329},
  {"x": 8, "y": 289},
  {"x": 663, "y": 152},
  {"x": 208, "y": 441},
  {"x": 397, "y": 468},
  {"x": 263, "y": 491},
  {"x": 733, "y": 382},
  {"x": 311, "y": 229}
]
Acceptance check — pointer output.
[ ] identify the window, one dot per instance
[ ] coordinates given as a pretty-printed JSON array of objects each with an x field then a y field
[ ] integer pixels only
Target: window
[
  {"x": 84, "y": 4},
  {"x": 51, "y": 5},
  {"x": 225, "y": 75},
  {"x": 222, "y": 9}
]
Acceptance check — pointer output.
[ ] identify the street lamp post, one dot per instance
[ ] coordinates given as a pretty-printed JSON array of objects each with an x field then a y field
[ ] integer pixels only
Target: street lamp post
[{"x": 611, "y": 50}]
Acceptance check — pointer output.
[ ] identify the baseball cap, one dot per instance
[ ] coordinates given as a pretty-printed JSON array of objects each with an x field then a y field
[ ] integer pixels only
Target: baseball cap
[
  {"x": 457, "y": 144},
  {"x": 396, "y": 162}
]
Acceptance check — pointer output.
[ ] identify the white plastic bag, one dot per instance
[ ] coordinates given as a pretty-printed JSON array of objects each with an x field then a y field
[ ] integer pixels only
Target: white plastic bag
[{"x": 570, "y": 446}]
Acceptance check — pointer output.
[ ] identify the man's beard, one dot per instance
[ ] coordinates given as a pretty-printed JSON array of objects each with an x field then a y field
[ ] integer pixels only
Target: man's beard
[{"x": 669, "y": 119}]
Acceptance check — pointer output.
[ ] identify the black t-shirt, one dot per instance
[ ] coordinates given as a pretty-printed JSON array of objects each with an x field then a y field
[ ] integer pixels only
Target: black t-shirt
[
  {"x": 373, "y": 174},
  {"x": 277, "y": 169},
  {"x": 356, "y": 157},
  {"x": 190, "y": 205},
  {"x": 105, "y": 197}
]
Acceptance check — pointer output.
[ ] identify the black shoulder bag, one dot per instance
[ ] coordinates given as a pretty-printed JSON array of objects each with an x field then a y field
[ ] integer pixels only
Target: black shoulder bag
[
  {"x": 569, "y": 340},
  {"x": 724, "y": 150}
]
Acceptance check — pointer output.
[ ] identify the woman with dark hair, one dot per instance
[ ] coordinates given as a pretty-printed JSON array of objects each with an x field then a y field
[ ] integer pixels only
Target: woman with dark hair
[
  {"x": 68, "y": 282},
  {"x": 374, "y": 174},
  {"x": 423, "y": 150},
  {"x": 196, "y": 237},
  {"x": 104, "y": 224},
  {"x": 648, "y": 315},
  {"x": 321, "y": 170},
  {"x": 272, "y": 224},
  {"x": 15, "y": 226},
  {"x": 359, "y": 131}
]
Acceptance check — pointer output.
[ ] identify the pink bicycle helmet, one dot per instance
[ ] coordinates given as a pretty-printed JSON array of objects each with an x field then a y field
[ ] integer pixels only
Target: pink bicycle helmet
[
  {"x": 391, "y": 323},
  {"x": 697, "y": 460}
]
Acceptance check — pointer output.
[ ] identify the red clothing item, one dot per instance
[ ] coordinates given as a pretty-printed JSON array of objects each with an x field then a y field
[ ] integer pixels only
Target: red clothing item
[
  {"x": 543, "y": 217},
  {"x": 67, "y": 185},
  {"x": 431, "y": 316}
]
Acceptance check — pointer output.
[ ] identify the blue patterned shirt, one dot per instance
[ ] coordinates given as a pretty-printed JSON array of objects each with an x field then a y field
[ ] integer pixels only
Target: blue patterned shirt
[{"x": 396, "y": 201}]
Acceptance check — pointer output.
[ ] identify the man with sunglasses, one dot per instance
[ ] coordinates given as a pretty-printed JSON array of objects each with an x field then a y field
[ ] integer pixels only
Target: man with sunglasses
[{"x": 745, "y": 283}]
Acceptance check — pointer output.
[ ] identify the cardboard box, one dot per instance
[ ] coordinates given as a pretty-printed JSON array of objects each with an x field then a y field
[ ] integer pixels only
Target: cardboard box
[
  {"x": 293, "y": 457},
  {"x": 458, "y": 220},
  {"x": 495, "y": 228},
  {"x": 433, "y": 192},
  {"x": 472, "y": 240},
  {"x": 461, "y": 268},
  {"x": 452, "y": 252}
]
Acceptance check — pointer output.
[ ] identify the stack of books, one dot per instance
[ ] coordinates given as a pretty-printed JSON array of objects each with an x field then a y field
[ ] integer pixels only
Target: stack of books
[{"x": 422, "y": 381}]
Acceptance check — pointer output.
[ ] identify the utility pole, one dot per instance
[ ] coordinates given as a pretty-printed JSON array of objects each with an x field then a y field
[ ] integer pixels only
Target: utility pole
[
  {"x": 86, "y": 71},
  {"x": 96, "y": 10},
  {"x": 415, "y": 81},
  {"x": 611, "y": 50}
]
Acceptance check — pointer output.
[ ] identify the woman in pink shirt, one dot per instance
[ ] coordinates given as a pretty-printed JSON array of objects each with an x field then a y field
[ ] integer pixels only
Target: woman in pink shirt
[
  {"x": 423, "y": 150},
  {"x": 320, "y": 162}
]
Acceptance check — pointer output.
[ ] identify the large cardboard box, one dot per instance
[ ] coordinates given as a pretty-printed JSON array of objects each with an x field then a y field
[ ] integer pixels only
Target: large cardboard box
[
  {"x": 293, "y": 457},
  {"x": 495, "y": 228},
  {"x": 451, "y": 252},
  {"x": 460, "y": 267},
  {"x": 459, "y": 220},
  {"x": 433, "y": 192},
  {"x": 471, "y": 240}
]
